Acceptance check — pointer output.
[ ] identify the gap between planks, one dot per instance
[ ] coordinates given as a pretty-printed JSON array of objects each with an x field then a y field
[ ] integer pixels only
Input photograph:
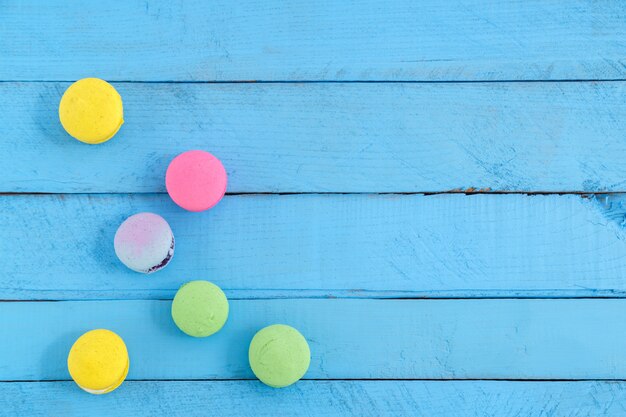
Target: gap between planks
[
  {"x": 566, "y": 80},
  {"x": 374, "y": 296},
  {"x": 529, "y": 380},
  {"x": 467, "y": 191}
]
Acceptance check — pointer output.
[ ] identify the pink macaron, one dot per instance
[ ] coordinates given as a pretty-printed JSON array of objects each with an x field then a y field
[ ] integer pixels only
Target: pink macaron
[{"x": 196, "y": 180}]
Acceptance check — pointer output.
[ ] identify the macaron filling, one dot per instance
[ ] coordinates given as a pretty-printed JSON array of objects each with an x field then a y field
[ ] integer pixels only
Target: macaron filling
[{"x": 165, "y": 261}]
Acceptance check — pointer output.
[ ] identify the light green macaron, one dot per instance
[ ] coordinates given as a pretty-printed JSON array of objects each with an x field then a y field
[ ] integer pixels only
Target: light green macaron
[
  {"x": 200, "y": 308},
  {"x": 279, "y": 355}
]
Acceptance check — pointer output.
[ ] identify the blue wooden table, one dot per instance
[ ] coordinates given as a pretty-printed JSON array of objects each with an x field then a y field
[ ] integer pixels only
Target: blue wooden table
[{"x": 431, "y": 191}]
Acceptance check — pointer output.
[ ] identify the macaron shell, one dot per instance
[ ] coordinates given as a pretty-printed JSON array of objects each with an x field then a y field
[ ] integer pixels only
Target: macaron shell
[
  {"x": 98, "y": 361},
  {"x": 196, "y": 180},
  {"x": 111, "y": 388},
  {"x": 279, "y": 355},
  {"x": 91, "y": 111},
  {"x": 200, "y": 308},
  {"x": 144, "y": 242}
]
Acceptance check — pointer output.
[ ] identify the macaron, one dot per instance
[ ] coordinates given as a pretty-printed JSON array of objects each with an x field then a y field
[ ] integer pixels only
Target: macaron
[
  {"x": 91, "y": 110},
  {"x": 279, "y": 355},
  {"x": 196, "y": 180},
  {"x": 98, "y": 361},
  {"x": 200, "y": 308},
  {"x": 144, "y": 242}
]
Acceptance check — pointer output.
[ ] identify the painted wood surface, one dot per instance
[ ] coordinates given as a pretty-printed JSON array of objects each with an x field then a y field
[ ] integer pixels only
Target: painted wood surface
[
  {"x": 330, "y": 137},
  {"x": 321, "y": 398},
  {"x": 312, "y": 40},
  {"x": 349, "y": 339},
  {"x": 318, "y": 245},
  {"x": 415, "y": 97}
]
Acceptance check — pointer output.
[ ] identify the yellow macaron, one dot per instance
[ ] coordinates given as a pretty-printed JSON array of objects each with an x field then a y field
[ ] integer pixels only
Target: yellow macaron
[
  {"x": 91, "y": 110},
  {"x": 98, "y": 361}
]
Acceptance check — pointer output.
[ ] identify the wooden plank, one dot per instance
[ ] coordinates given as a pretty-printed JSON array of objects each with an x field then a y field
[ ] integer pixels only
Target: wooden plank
[
  {"x": 320, "y": 398},
  {"x": 359, "y": 245},
  {"x": 330, "y": 137},
  {"x": 312, "y": 40},
  {"x": 349, "y": 339}
]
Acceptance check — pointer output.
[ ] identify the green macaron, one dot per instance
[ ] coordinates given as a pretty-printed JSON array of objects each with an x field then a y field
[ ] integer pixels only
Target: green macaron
[
  {"x": 279, "y": 355},
  {"x": 200, "y": 308}
]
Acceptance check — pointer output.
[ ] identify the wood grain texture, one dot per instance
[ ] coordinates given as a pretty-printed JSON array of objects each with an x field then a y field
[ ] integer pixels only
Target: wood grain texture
[
  {"x": 61, "y": 246},
  {"x": 421, "y": 121},
  {"x": 320, "y": 398},
  {"x": 329, "y": 137},
  {"x": 312, "y": 40},
  {"x": 349, "y": 339}
]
